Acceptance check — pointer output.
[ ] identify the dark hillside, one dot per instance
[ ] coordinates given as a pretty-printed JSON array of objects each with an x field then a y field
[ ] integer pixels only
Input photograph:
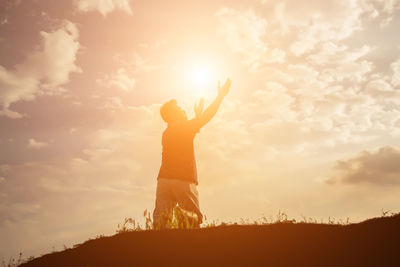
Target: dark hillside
[{"x": 375, "y": 242}]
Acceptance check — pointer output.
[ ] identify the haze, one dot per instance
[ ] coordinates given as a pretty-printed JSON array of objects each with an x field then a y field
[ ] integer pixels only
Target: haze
[{"x": 311, "y": 125}]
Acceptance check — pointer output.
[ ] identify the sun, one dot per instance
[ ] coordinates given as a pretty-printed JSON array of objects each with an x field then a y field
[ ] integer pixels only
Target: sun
[{"x": 200, "y": 76}]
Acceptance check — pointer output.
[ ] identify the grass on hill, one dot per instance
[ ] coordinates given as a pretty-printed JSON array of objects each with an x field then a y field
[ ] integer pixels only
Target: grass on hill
[{"x": 130, "y": 225}]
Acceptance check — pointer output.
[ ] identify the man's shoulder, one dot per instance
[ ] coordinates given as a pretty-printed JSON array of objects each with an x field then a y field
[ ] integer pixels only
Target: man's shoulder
[{"x": 186, "y": 125}]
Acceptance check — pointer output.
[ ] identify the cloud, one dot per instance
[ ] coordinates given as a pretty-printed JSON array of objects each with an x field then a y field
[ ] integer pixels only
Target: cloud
[
  {"x": 376, "y": 7},
  {"x": 117, "y": 168},
  {"x": 36, "y": 144},
  {"x": 317, "y": 21},
  {"x": 305, "y": 26},
  {"x": 395, "y": 66},
  {"x": 43, "y": 71},
  {"x": 383, "y": 92},
  {"x": 121, "y": 80},
  {"x": 333, "y": 53},
  {"x": 104, "y": 6},
  {"x": 273, "y": 102},
  {"x": 245, "y": 34},
  {"x": 4, "y": 21},
  {"x": 379, "y": 167}
]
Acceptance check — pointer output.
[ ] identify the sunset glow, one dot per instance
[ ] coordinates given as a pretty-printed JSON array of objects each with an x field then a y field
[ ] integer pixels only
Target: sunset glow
[
  {"x": 310, "y": 126},
  {"x": 201, "y": 76}
]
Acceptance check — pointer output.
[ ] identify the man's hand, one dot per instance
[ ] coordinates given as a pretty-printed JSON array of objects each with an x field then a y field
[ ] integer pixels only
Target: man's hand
[
  {"x": 211, "y": 110},
  {"x": 198, "y": 108},
  {"x": 224, "y": 90}
]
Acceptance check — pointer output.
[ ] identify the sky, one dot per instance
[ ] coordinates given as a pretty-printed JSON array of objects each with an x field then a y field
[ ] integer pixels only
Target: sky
[{"x": 311, "y": 126}]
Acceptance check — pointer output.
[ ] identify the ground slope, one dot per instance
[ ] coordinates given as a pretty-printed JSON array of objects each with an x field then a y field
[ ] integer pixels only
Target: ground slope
[{"x": 375, "y": 242}]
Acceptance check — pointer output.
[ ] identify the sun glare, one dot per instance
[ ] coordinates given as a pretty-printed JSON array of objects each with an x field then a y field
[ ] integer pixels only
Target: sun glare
[{"x": 201, "y": 76}]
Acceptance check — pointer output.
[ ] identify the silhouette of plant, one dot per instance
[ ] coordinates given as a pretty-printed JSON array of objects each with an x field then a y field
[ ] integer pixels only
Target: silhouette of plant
[
  {"x": 128, "y": 226},
  {"x": 180, "y": 220},
  {"x": 388, "y": 213},
  {"x": 14, "y": 263}
]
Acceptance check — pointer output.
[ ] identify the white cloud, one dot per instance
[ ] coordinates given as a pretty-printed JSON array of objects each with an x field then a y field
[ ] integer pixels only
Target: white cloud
[
  {"x": 36, "y": 144},
  {"x": 318, "y": 21},
  {"x": 302, "y": 72},
  {"x": 245, "y": 33},
  {"x": 353, "y": 71},
  {"x": 104, "y": 6},
  {"x": 339, "y": 63},
  {"x": 273, "y": 102},
  {"x": 308, "y": 24},
  {"x": 134, "y": 62},
  {"x": 275, "y": 55},
  {"x": 4, "y": 21},
  {"x": 377, "y": 7},
  {"x": 333, "y": 53},
  {"x": 379, "y": 167},
  {"x": 121, "y": 80},
  {"x": 43, "y": 71},
  {"x": 395, "y": 66},
  {"x": 383, "y": 91},
  {"x": 385, "y": 22}
]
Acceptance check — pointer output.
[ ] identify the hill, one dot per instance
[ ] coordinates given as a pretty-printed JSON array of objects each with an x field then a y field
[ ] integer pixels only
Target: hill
[{"x": 375, "y": 242}]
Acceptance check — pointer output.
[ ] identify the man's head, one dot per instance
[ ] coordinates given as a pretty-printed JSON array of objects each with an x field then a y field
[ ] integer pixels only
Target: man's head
[{"x": 171, "y": 112}]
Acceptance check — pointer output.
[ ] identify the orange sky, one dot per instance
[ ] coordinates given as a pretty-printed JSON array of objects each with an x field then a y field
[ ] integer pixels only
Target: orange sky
[{"x": 311, "y": 125}]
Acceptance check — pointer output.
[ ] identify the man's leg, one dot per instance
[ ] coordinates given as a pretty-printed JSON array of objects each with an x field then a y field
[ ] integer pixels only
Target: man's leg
[
  {"x": 188, "y": 200},
  {"x": 163, "y": 211}
]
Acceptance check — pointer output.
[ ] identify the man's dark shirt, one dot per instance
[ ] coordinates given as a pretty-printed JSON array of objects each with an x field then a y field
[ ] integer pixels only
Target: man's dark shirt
[{"x": 178, "y": 161}]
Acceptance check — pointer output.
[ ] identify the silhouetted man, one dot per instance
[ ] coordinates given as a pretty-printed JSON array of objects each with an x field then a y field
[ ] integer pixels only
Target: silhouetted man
[{"x": 177, "y": 178}]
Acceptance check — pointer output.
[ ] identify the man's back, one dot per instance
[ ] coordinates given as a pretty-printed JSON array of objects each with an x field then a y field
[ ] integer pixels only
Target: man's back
[{"x": 178, "y": 159}]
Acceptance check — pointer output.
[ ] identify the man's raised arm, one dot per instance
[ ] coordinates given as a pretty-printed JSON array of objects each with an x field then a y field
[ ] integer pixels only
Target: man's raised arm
[{"x": 211, "y": 110}]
